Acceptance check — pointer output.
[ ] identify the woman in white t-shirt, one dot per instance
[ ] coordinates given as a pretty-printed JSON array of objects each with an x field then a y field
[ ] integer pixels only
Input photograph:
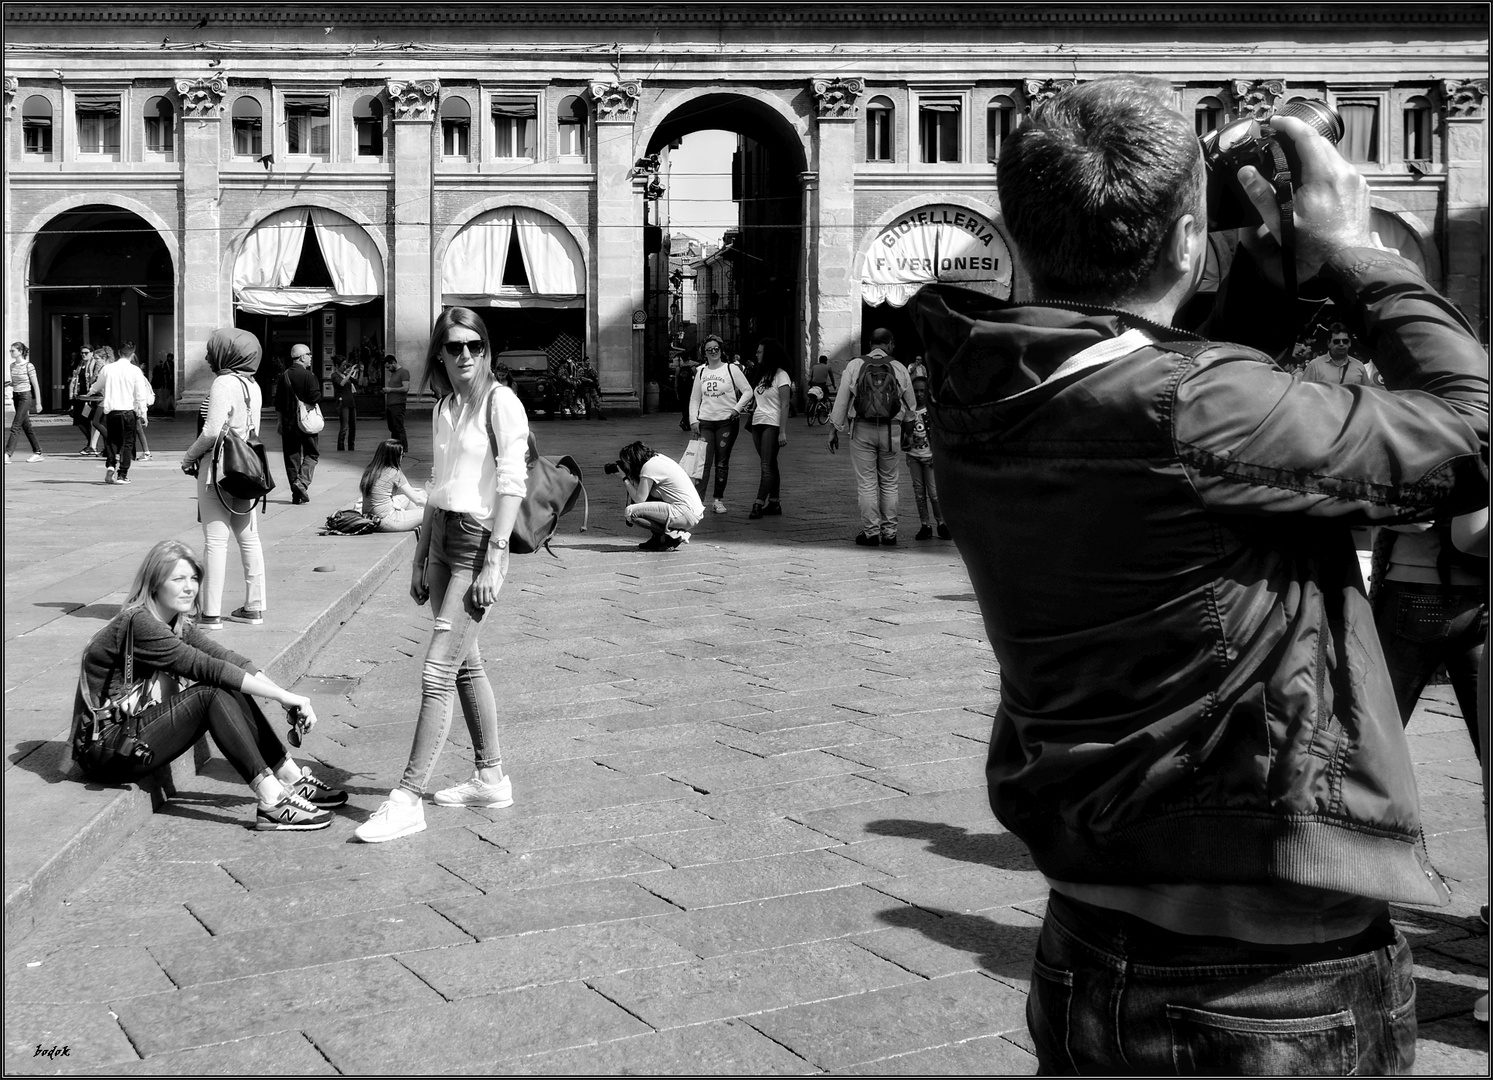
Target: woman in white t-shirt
[
  {"x": 768, "y": 404},
  {"x": 478, "y": 478},
  {"x": 715, "y": 412},
  {"x": 660, "y": 496}
]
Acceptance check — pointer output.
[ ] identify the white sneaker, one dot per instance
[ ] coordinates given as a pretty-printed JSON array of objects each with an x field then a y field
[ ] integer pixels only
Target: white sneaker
[
  {"x": 392, "y": 820},
  {"x": 1480, "y": 1009},
  {"x": 109, "y": 474},
  {"x": 33, "y": 459},
  {"x": 7, "y": 459},
  {"x": 719, "y": 507},
  {"x": 475, "y": 793}
]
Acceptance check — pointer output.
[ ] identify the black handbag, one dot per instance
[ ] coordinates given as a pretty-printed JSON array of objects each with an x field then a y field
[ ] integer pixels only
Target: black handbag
[
  {"x": 240, "y": 466},
  {"x": 108, "y": 744},
  {"x": 552, "y": 488}
]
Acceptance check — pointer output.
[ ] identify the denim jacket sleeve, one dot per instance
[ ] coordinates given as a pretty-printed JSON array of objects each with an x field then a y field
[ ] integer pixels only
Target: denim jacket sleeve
[{"x": 1253, "y": 440}]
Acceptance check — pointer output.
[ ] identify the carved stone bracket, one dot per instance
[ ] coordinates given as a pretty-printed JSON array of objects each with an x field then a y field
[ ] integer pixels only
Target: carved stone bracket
[
  {"x": 616, "y": 100},
  {"x": 413, "y": 100},
  {"x": 836, "y": 98},
  {"x": 203, "y": 97},
  {"x": 12, "y": 87},
  {"x": 1039, "y": 91},
  {"x": 1464, "y": 98},
  {"x": 1255, "y": 98}
]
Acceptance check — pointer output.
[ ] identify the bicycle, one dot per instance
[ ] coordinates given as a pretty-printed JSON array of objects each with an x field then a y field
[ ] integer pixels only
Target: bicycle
[{"x": 817, "y": 410}]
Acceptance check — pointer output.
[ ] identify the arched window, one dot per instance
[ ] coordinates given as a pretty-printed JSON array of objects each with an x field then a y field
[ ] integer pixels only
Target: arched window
[
  {"x": 248, "y": 128},
  {"x": 1417, "y": 130},
  {"x": 368, "y": 122},
  {"x": 1000, "y": 121},
  {"x": 1208, "y": 116},
  {"x": 160, "y": 126},
  {"x": 36, "y": 125},
  {"x": 879, "y": 145},
  {"x": 456, "y": 128},
  {"x": 574, "y": 118}
]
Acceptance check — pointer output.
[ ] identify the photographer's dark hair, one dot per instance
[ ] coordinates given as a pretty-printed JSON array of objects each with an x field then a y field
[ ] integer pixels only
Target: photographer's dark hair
[
  {"x": 386, "y": 455},
  {"x": 435, "y": 370},
  {"x": 632, "y": 458},
  {"x": 1092, "y": 183},
  {"x": 774, "y": 359}
]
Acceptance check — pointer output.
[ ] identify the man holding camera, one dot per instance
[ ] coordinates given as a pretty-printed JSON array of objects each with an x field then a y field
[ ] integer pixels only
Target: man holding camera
[{"x": 1197, "y": 737}]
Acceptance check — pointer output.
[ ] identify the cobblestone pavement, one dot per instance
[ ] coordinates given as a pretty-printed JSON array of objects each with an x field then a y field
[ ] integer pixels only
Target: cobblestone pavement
[{"x": 750, "y": 835}]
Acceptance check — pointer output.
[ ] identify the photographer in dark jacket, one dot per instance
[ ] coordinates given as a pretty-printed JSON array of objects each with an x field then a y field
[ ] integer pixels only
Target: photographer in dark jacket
[
  {"x": 1197, "y": 737},
  {"x": 302, "y": 451}
]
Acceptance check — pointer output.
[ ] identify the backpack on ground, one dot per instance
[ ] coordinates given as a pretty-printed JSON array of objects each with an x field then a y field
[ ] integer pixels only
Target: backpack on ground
[
  {"x": 877, "y": 395},
  {"x": 349, "y": 523},
  {"x": 552, "y": 488}
]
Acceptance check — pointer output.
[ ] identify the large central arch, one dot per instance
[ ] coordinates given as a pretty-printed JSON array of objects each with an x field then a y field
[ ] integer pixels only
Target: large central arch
[{"x": 767, "y": 267}]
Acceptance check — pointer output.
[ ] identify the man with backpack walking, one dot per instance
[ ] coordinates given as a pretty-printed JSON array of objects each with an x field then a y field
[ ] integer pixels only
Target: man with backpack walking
[{"x": 874, "y": 398}]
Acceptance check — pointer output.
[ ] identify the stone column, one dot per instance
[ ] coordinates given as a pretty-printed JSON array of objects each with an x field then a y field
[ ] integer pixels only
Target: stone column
[
  {"x": 205, "y": 294},
  {"x": 618, "y": 244},
  {"x": 1465, "y": 243},
  {"x": 17, "y": 315},
  {"x": 411, "y": 285},
  {"x": 836, "y": 283},
  {"x": 808, "y": 275}
]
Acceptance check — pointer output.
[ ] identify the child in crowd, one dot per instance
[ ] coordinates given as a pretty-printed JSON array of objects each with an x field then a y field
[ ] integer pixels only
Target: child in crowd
[
  {"x": 388, "y": 498},
  {"x": 920, "y": 462}
]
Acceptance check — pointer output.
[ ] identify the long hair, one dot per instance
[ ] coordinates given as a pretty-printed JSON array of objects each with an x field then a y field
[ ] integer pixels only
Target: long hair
[
  {"x": 159, "y": 562},
  {"x": 386, "y": 455},
  {"x": 20, "y": 347},
  {"x": 774, "y": 359},
  {"x": 435, "y": 367},
  {"x": 104, "y": 353},
  {"x": 633, "y": 457}
]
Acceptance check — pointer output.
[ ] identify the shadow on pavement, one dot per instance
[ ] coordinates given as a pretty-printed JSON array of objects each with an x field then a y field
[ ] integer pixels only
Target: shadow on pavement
[
  {"x": 1001, "y": 949},
  {"x": 1000, "y": 850},
  {"x": 102, "y": 612}
]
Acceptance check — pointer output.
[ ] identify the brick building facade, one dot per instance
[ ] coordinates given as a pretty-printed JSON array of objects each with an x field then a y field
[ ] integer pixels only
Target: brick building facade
[{"x": 341, "y": 173}]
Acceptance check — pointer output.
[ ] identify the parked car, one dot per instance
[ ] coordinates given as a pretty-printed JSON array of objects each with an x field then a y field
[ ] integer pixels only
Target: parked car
[{"x": 532, "y": 381}]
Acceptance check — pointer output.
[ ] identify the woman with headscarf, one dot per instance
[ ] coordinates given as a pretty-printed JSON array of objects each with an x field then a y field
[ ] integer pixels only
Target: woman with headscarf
[{"x": 235, "y": 401}]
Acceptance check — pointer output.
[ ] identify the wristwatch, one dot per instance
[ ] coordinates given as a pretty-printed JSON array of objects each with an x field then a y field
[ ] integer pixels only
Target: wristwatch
[{"x": 500, "y": 543}]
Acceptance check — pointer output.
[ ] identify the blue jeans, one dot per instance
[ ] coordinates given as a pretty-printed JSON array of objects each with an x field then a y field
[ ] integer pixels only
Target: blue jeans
[
  {"x": 22, "y": 424},
  {"x": 719, "y": 436},
  {"x": 766, "y": 438},
  {"x": 453, "y": 662},
  {"x": 1112, "y": 994},
  {"x": 1422, "y": 627},
  {"x": 873, "y": 455}
]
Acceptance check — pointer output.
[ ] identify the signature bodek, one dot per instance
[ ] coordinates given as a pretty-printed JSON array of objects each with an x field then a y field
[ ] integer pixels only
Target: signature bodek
[{"x": 52, "y": 1052}]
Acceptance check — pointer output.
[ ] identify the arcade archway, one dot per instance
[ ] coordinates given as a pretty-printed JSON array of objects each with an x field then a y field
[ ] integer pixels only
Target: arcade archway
[{"x": 98, "y": 275}]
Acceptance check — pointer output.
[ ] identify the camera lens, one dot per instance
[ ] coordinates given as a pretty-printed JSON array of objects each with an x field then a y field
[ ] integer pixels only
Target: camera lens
[{"x": 1317, "y": 115}]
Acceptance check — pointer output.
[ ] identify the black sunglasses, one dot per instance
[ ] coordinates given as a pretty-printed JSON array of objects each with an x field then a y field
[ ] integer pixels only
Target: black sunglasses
[{"x": 453, "y": 348}]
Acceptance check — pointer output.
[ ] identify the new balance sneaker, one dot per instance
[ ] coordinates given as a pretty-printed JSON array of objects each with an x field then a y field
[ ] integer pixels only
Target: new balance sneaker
[
  {"x": 252, "y": 616},
  {"x": 475, "y": 793},
  {"x": 718, "y": 506},
  {"x": 392, "y": 820},
  {"x": 317, "y": 791},
  {"x": 33, "y": 459},
  {"x": 293, "y": 814},
  {"x": 109, "y": 474},
  {"x": 143, "y": 457},
  {"x": 121, "y": 479},
  {"x": 7, "y": 459}
]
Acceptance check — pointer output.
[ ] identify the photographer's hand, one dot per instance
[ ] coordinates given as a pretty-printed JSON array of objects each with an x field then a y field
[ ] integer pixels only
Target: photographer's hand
[{"x": 1331, "y": 205}]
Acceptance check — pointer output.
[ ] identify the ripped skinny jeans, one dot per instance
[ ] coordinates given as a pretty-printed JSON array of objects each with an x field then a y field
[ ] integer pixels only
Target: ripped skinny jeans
[{"x": 453, "y": 663}]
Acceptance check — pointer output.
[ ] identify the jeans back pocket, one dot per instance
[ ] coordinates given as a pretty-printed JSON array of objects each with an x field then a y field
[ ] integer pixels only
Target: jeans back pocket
[{"x": 1208, "y": 1043}]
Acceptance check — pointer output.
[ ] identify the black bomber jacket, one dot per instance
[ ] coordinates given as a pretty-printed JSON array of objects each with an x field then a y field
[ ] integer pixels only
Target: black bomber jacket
[{"x": 1191, "y": 684}]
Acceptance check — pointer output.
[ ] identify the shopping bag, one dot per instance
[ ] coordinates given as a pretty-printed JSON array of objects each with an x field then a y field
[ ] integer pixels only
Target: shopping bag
[{"x": 692, "y": 461}]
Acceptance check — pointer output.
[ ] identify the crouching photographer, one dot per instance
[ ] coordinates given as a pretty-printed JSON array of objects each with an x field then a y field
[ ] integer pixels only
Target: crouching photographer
[
  {"x": 1196, "y": 736},
  {"x": 660, "y": 496}
]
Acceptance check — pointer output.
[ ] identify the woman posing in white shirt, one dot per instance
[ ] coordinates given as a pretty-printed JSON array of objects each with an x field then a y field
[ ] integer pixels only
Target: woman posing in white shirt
[
  {"x": 771, "y": 386},
  {"x": 714, "y": 413},
  {"x": 461, "y": 559}
]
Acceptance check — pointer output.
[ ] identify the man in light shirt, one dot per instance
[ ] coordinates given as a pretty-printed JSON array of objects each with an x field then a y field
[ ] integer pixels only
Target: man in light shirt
[{"x": 126, "y": 396}]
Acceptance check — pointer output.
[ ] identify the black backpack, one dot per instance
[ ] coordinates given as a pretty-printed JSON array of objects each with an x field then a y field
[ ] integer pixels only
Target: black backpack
[
  {"x": 349, "y": 523},
  {"x": 877, "y": 395}
]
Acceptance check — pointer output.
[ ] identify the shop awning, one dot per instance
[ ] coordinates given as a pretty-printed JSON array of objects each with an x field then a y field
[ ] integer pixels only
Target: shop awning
[
  {"x": 265, "y": 268},
  {"x": 935, "y": 243},
  {"x": 472, "y": 275}
]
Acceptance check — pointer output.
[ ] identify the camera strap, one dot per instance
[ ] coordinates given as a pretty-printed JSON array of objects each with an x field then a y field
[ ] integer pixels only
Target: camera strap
[{"x": 1285, "y": 202}]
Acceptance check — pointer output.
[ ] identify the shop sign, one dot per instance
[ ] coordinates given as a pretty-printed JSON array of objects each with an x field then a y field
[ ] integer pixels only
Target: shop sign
[{"x": 936, "y": 243}]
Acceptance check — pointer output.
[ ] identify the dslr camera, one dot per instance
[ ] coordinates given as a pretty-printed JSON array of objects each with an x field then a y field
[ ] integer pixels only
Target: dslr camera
[
  {"x": 612, "y": 468},
  {"x": 1253, "y": 142}
]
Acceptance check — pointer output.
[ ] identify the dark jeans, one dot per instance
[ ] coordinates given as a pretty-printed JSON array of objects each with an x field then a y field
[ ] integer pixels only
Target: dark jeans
[
  {"x": 766, "y": 438},
  {"x": 302, "y": 452},
  {"x": 394, "y": 414},
  {"x": 235, "y": 721},
  {"x": 1422, "y": 627},
  {"x": 119, "y": 445},
  {"x": 22, "y": 422},
  {"x": 1114, "y": 995},
  {"x": 347, "y": 430},
  {"x": 719, "y": 436}
]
